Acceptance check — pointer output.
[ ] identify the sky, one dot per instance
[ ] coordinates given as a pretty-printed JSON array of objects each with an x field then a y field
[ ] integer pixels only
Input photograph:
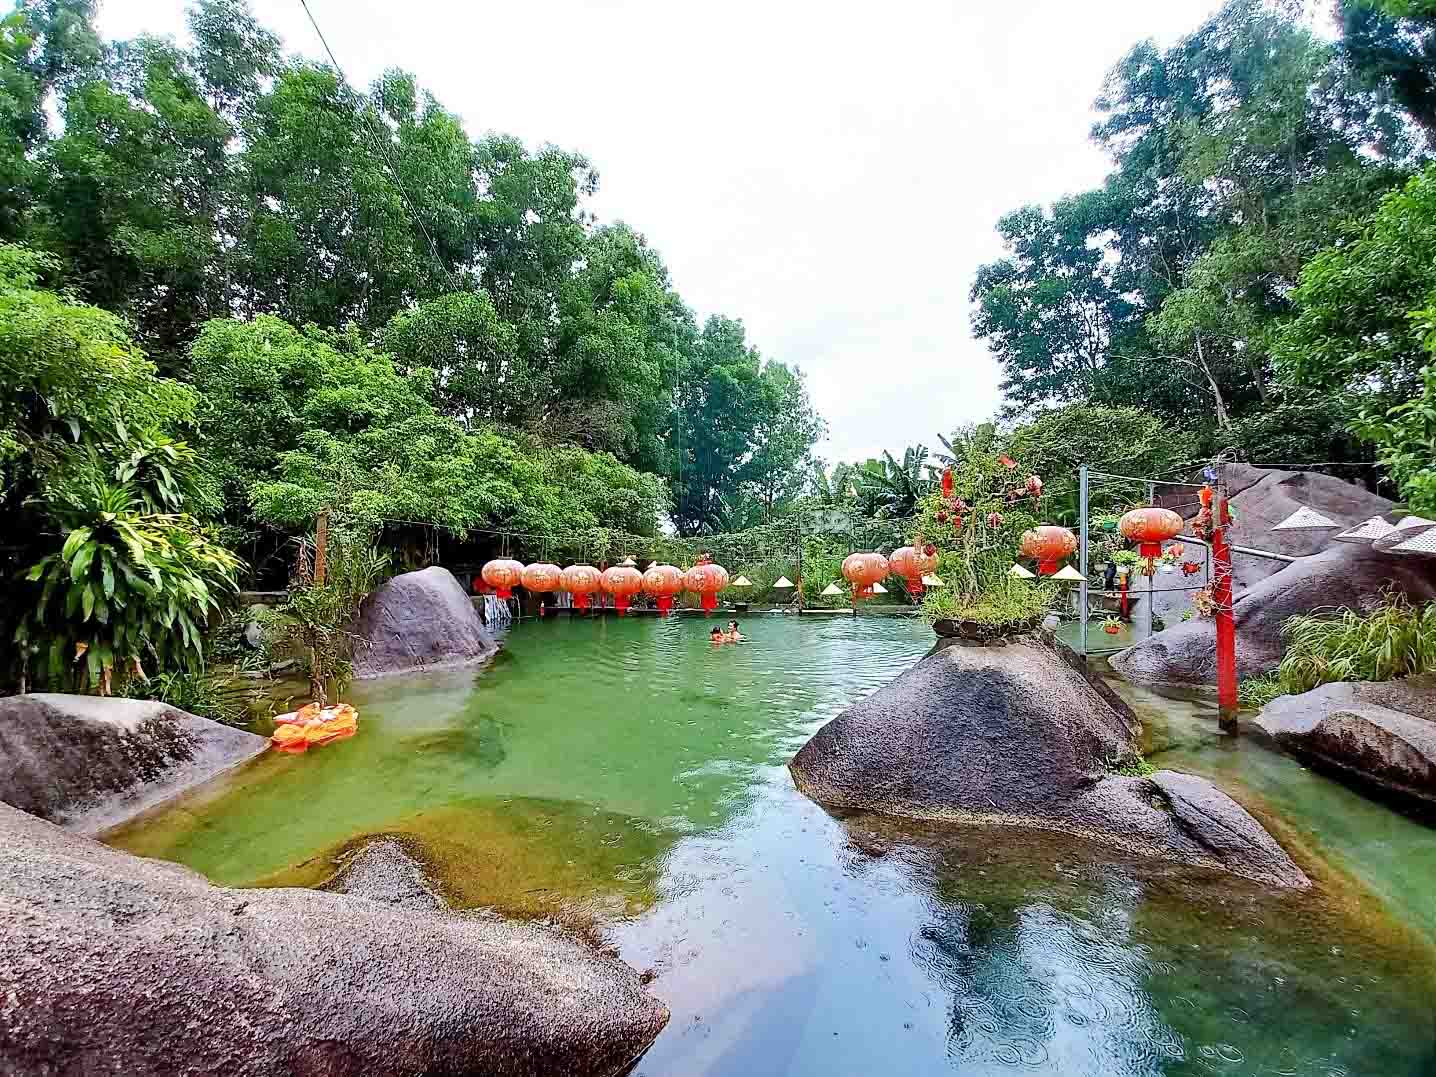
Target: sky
[{"x": 830, "y": 174}]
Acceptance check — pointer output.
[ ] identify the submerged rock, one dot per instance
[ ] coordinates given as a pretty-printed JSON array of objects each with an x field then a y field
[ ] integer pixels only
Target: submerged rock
[
  {"x": 1383, "y": 734},
  {"x": 1344, "y": 575},
  {"x": 90, "y": 762},
  {"x": 383, "y": 871},
  {"x": 1013, "y": 735},
  {"x": 113, "y": 964},
  {"x": 419, "y": 620}
]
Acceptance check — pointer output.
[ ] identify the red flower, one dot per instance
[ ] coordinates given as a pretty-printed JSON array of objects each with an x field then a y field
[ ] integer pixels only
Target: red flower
[
  {"x": 941, "y": 516},
  {"x": 1034, "y": 486},
  {"x": 947, "y": 482},
  {"x": 929, "y": 549},
  {"x": 1006, "y": 461},
  {"x": 957, "y": 523}
]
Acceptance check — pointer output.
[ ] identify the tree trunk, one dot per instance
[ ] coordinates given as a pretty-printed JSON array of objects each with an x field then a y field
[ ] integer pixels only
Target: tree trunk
[{"x": 1223, "y": 420}]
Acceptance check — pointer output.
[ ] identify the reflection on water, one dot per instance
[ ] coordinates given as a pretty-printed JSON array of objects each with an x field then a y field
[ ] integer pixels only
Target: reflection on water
[{"x": 629, "y": 775}]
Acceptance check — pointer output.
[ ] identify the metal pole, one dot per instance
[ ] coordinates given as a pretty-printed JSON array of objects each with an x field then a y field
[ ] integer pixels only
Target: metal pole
[
  {"x": 1227, "y": 701},
  {"x": 1082, "y": 597}
]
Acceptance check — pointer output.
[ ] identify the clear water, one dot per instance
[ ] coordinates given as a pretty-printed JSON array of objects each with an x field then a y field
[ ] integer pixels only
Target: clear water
[{"x": 628, "y": 779}]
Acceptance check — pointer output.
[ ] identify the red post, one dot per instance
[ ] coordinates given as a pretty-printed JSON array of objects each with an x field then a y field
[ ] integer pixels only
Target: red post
[{"x": 1226, "y": 627}]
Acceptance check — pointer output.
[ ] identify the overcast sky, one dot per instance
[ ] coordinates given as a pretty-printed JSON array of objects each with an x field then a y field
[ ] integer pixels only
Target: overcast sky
[{"x": 830, "y": 174}]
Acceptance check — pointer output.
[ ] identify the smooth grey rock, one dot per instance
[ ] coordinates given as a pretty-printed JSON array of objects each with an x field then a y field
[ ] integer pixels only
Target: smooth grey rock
[
  {"x": 419, "y": 620},
  {"x": 91, "y": 762},
  {"x": 1261, "y": 498},
  {"x": 1344, "y": 575},
  {"x": 253, "y": 635},
  {"x": 1381, "y": 733},
  {"x": 1011, "y": 735},
  {"x": 116, "y": 965}
]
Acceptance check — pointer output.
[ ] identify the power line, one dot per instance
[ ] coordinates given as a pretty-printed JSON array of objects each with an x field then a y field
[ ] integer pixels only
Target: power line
[{"x": 381, "y": 143}]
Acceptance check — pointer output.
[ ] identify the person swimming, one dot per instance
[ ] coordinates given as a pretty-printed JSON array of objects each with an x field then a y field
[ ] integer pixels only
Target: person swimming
[
  {"x": 717, "y": 635},
  {"x": 733, "y": 635}
]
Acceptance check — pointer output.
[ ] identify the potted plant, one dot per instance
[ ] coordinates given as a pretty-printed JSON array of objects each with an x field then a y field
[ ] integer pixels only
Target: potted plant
[{"x": 1111, "y": 626}]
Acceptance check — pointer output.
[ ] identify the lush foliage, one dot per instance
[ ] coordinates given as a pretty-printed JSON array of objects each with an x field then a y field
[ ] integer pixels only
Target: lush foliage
[
  {"x": 1240, "y": 154},
  {"x": 323, "y": 610},
  {"x": 177, "y": 184}
]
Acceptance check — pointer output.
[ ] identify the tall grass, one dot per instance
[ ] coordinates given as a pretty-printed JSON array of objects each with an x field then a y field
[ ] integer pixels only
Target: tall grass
[{"x": 1396, "y": 639}]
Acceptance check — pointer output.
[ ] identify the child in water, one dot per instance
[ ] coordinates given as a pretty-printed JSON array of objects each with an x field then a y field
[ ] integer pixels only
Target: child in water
[{"x": 717, "y": 635}]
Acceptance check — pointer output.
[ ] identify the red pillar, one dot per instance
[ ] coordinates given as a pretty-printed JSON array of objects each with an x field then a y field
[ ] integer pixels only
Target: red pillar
[{"x": 1222, "y": 598}]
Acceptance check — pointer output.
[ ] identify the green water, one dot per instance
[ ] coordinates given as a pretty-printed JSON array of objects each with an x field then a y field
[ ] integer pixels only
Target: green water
[{"x": 628, "y": 778}]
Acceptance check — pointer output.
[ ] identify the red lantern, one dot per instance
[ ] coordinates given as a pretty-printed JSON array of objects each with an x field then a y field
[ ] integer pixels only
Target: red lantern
[
  {"x": 542, "y": 577},
  {"x": 912, "y": 564},
  {"x": 1049, "y": 545},
  {"x": 947, "y": 482},
  {"x": 622, "y": 582},
  {"x": 503, "y": 575},
  {"x": 580, "y": 581},
  {"x": 706, "y": 580},
  {"x": 862, "y": 570},
  {"x": 1150, "y": 527},
  {"x": 663, "y": 582}
]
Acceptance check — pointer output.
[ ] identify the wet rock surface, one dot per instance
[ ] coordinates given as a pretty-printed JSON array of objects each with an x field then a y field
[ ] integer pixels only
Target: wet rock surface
[
  {"x": 419, "y": 620},
  {"x": 1382, "y": 734},
  {"x": 1344, "y": 575},
  {"x": 1012, "y": 735},
  {"x": 113, "y": 964},
  {"x": 89, "y": 762},
  {"x": 382, "y": 870}
]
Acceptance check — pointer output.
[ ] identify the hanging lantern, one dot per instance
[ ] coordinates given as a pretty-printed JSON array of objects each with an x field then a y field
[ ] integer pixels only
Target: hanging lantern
[
  {"x": 542, "y": 577},
  {"x": 503, "y": 575},
  {"x": 1048, "y": 545},
  {"x": 862, "y": 570},
  {"x": 912, "y": 564},
  {"x": 1149, "y": 528},
  {"x": 580, "y": 581},
  {"x": 622, "y": 582},
  {"x": 706, "y": 579},
  {"x": 663, "y": 582}
]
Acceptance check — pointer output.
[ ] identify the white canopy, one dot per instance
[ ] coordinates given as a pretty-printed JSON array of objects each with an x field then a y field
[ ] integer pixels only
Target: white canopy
[
  {"x": 933, "y": 580},
  {"x": 832, "y": 589},
  {"x": 1069, "y": 575},
  {"x": 1305, "y": 519},
  {"x": 742, "y": 581},
  {"x": 879, "y": 589},
  {"x": 783, "y": 583},
  {"x": 1367, "y": 533},
  {"x": 1021, "y": 573}
]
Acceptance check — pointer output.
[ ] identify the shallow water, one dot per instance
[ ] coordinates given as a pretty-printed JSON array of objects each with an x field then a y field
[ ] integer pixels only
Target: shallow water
[{"x": 628, "y": 778}]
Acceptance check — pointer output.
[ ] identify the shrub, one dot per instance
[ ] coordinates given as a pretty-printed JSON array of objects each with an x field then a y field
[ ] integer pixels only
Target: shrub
[{"x": 199, "y": 693}]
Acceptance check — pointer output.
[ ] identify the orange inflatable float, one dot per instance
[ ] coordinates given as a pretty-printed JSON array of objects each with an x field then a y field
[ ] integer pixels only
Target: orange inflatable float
[{"x": 309, "y": 725}]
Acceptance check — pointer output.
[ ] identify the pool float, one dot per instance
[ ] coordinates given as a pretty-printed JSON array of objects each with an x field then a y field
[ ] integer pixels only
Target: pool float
[{"x": 309, "y": 725}]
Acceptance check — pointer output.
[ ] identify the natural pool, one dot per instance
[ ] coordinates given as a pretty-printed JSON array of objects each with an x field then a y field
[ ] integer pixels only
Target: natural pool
[{"x": 629, "y": 778}]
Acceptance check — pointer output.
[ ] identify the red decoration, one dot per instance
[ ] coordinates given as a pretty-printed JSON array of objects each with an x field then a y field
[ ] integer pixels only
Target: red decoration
[
  {"x": 912, "y": 564},
  {"x": 542, "y": 577},
  {"x": 580, "y": 581},
  {"x": 622, "y": 582},
  {"x": 1149, "y": 528},
  {"x": 1007, "y": 461},
  {"x": 706, "y": 580},
  {"x": 503, "y": 575},
  {"x": 994, "y": 520},
  {"x": 1034, "y": 486},
  {"x": 663, "y": 582},
  {"x": 931, "y": 551},
  {"x": 1049, "y": 545},
  {"x": 862, "y": 570},
  {"x": 947, "y": 482},
  {"x": 1191, "y": 568}
]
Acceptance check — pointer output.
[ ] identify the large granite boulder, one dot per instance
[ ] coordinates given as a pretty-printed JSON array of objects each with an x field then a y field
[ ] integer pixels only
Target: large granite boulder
[
  {"x": 90, "y": 763},
  {"x": 1013, "y": 735},
  {"x": 113, "y": 964},
  {"x": 1382, "y": 734},
  {"x": 1344, "y": 575},
  {"x": 419, "y": 620},
  {"x": 1261, "y": 498}
]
